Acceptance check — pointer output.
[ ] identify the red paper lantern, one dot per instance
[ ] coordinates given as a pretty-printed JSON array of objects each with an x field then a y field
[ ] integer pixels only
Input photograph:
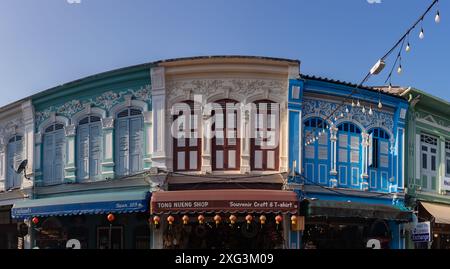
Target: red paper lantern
[
  {"x": 217, "y": 219},
  {"x": 170, "y": 220},
  {"x": 249, "y": 218},
  {"x": 278, "y": 219},
  {"x": 262, "y": 219},
  {"x": 35, "y": 220},
  {"x": 233, "y": 219},
  {"x": 111, "y": 217},
  {"x": 201, "y": 219},
  {"x": 185, "y": 219},
  {"x": 156, "y": 220}
]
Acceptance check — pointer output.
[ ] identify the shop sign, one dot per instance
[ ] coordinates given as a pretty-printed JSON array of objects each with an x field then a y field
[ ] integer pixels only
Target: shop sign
[
  {"x": 228, "y": 205},
  {"x": 422, "y": 232},
  {"x": 446, "y": 184}
]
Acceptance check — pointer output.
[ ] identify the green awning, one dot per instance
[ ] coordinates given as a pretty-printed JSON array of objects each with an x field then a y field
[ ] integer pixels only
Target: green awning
[{"x": 337, "y": 209}]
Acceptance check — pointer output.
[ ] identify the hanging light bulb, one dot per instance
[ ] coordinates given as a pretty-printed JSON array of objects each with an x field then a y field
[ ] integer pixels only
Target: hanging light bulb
[
  {"x": 399, "y": 70},
  {"x": 363, "y": 110},
  {"x": 422, "y": 34},
  {"x": 335, "y": 118},
  {"x": 342, "y": 115},
  {"x": 380, "y": 105},
  {"x": 370, "y": 111},
  {"x": 437, "y": 19},
  {"x": 358, "y": 104},
  {"x": 408, "y": 47},
  {"x": 353, "y": 103},
  {"x": 346, "y": 110}
]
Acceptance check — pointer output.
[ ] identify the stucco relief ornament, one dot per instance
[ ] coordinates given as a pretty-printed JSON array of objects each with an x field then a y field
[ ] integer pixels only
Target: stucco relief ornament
[
  {"x": 210, "y": 87},
  {"x": 105, "y": 101},
  {"x": 324, "y": 109}
]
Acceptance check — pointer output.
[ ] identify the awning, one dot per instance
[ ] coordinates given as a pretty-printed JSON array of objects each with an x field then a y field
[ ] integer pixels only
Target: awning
[
  {"x": 325, "y": 208},
  {"x": 224, "y": 201},
  {"x": 98, "y": 203},
  {"x": 440, "y": 212}
]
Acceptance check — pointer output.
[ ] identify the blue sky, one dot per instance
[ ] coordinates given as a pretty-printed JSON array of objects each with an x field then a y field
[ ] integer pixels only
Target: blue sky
[{"x": 45, "y": 43}]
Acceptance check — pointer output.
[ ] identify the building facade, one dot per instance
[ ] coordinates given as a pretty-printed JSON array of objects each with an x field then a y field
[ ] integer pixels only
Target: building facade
[
  {"x": 16, "y": 146},
  {"x": 349, "y": 155},
  {"x": 92, "y": 149},
  {"x": 227, "y": 164},
  {"x": 428, "y": 166}
]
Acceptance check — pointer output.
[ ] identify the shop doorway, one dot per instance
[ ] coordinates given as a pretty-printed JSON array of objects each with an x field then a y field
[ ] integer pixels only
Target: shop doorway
[
  {"x": 110, "y": 237},
  {"x": 225, "y": 235}
]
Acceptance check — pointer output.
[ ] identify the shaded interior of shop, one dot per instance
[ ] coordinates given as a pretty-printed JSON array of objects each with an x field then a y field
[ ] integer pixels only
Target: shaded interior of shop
[
  {"x": 127, "y": 231},
  {"x": 8, "y": 229},
  {"x": 225, "y": 234}
]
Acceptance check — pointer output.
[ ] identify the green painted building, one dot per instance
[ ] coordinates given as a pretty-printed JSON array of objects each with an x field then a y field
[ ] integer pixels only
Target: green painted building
[{"x": 428, "y": 165}]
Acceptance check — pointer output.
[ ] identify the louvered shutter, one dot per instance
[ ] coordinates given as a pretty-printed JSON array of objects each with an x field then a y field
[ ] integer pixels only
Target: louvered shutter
[
  {"x": 60, "y": 156},
  {"x": 83, "y": 152},
  {"x": 49, "y": 156},
  {"x": 95, "y": 150},
  {"x": 10, "y": 166},
  {"x": 123, "y": 147},
  {"x": 136, "y": 144},
  {"x": 18, "y": 158}
]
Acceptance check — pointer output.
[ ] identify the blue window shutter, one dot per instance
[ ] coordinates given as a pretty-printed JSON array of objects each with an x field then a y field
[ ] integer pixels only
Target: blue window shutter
[
  {"x": 10, "y": 174},
  {"x": 60, "y": 154},
  {"x": 49, "y": 147},
  {"x": 122, "y": 145},
  {"x": 95, "y": 150},
  {"x": 83, "y": 152},
  {"x": 136, "y": 144},
  {"x": 18, "y": 158}
]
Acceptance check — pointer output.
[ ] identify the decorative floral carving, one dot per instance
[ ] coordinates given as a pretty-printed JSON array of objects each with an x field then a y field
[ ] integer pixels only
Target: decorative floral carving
[
  {"x": 108, "y": 123},
  {"x": 211, "y": 87},
  {"x": 105, "y": 101},
  {"x": 322, "y": 108}
]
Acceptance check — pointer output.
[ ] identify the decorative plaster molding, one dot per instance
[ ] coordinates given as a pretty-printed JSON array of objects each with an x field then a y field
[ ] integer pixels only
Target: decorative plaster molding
[
  {"x": 104, "y": 101},
  {"x": 70, "y": 130},
  {"x": 324, "y": 109},
  {"x": 227, "y": 88},
  {"x": 108, "y": 123}
]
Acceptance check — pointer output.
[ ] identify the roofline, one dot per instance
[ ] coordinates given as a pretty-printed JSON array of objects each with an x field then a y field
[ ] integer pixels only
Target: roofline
[
  {"x": 290, "y": 61},
  {"x": 347, "y": 84},
  {"x": 431, "y": 96}
]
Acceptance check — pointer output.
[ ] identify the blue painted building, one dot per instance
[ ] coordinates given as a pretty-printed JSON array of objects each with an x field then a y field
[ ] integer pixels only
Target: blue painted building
[
  {"x": 349, "y": 154},
  {"x": 91, "y": 158}
]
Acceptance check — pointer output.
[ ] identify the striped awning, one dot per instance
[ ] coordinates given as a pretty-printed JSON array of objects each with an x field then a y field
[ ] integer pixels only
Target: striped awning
[{"x": 83, "y": 204}]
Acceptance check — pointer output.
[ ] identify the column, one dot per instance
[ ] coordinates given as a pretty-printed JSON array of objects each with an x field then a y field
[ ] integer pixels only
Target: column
[
  {"x": 2, "y": 166},
  {"x": 108, "y": 148},
  {"x": 206, "y": 144},
  {"x": 69, "y": 175},
  {"x": 159, "y": 155},
  {"x": 245, "y": 138},
  {"x": 333, "y": 172},
  {"x": 37, "y": 159},
  {"x": 28, "y": 122},
  {"x": 148, "y": 140},
  {"x": 365, "y": 155}
]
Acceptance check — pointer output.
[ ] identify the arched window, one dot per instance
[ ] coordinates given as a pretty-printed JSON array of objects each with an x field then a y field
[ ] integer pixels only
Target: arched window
[
  {"x": 187, "y": 147},
  {"x": 226, "y": 143},
  {"x": 54, "y": 154},
  {"x": 379, "y": 159},
  {"x": 317, "y": 154},
  {"x": 265, "y": 142},
  {"x": 15, "y": 157},
  {"x": 89, "y": 140},
  {"x": 129, "y": 141},
  {"x": 349, "y": 157}
]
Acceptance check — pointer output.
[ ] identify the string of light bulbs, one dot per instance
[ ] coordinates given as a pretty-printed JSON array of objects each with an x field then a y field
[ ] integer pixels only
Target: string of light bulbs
[{"x": 313, "y": 137}]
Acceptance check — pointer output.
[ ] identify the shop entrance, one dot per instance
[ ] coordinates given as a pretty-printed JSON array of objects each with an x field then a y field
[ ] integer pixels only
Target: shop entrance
[
  {"x": 225, "y": 234},
  {"x": 341, "y": 234}
]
